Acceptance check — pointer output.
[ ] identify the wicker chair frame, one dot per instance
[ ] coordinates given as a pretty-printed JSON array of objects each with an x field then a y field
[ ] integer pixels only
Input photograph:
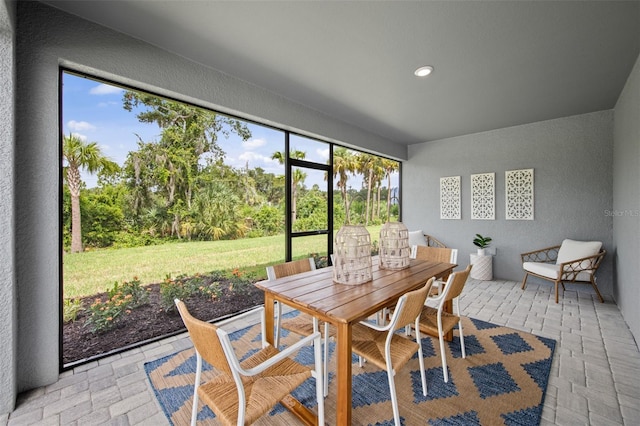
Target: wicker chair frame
[
  {"x": 569, "y": 271},
  {"x": 434, "y": 242},
  {"x": 245, "y": 390}
]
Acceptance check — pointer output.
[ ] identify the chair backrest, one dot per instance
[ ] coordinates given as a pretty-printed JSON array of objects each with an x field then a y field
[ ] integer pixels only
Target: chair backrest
[
  {"x": 205, "y": 339},
  {"x": 573, "y": 250},
  {"x": 455, "y": 284},
  {"x": 290, "y": 268},
  {"x": 409, "y": 306},
  {"x": 437, "y": 254}
]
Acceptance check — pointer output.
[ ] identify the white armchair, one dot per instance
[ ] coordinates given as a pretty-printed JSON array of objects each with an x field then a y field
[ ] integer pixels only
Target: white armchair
[{"x": 572, "y": 261}]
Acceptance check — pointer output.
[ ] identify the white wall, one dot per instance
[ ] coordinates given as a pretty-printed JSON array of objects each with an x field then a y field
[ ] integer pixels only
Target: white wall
[
  {"x": 47, "y": 38},
  {"x": 7, "y": 282},
  {"x": 572, "y": 161},
  {"x": 626, "y": 201}
]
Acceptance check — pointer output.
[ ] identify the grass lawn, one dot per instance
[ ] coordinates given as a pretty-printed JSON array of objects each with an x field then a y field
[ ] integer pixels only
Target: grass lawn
[{"x": 93, "y": 272}]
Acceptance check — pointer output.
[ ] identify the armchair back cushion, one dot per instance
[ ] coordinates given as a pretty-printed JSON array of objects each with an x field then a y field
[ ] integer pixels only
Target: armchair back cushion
[
  {"x": 417, "y": 238},
  {"x": 572, "y": 250}
]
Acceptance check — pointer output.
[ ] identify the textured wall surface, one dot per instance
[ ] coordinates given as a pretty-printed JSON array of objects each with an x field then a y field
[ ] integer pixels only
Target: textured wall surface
[
  {"x": 572, "y": 161},
  {"x": 626, "y": 201},
  {"x": 7, "y": 282},
  {"x": 47, "y": 39}
]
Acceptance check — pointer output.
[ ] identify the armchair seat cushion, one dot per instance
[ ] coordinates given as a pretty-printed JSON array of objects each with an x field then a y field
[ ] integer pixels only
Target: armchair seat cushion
[{"x": 552, "y": 271}]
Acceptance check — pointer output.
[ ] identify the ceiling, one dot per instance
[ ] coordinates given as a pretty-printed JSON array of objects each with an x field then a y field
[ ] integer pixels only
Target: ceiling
[{"x": 497, "y": 63}]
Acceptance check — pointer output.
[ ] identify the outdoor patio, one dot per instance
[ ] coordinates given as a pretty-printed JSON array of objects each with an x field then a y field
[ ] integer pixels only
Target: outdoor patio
[{"x": 594, "y": 376}]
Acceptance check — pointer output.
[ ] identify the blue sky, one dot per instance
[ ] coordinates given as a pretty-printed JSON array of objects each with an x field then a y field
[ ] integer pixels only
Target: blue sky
[{"x": 93, "y": 111}]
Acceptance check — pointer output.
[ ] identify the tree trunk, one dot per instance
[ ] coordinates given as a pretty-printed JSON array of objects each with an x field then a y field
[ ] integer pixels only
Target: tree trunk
[
  {"x": 367, "y": 211},
  {"x": 346, "y": 205},
  {"x": 73, "y": 180},
  {"x": 175, "y": 226},
  {"x": 378, "y": 200}
]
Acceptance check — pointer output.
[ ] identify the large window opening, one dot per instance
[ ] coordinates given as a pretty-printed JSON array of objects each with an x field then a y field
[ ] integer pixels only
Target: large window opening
[{"x": 163, "y": 199}]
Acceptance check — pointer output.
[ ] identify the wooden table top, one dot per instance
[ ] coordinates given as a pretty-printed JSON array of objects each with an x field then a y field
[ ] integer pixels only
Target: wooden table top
[{"x": 315, "y": 292}]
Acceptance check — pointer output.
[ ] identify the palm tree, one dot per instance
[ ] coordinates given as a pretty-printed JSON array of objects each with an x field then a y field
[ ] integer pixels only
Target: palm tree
[
  {"x": 343, "y": 163},
  {"x": 378, "y": 175},
  {"x": 390, "y": 166},
  {"x": 80, "y": 155},
  {"x": 365, "y": 167},
  {"x": 297, "y": 177}
]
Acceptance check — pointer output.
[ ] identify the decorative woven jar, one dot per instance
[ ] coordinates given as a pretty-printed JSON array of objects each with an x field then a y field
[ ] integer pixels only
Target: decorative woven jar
[
  {"x": 394, "y": 246},
  {"x": 352, "y": 255}
]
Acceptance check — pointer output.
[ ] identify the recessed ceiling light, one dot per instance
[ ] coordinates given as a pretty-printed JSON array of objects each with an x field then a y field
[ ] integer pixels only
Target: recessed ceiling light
[{"x": 424, "y": 71}]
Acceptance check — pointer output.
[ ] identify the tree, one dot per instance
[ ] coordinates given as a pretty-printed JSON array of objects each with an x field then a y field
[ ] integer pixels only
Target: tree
[
  {"x": 377, "y": 176},
  {"x": 343, "y": 163},
  {"x": 312, "y": 210},
  {"x": 390, "y": 167},
  {"x": 218, "y": 217},
  {"x": 297, "y": 176},
  {"x": 171, "y": 167},
  {"x": 365, "y": 166},
  {"x": 80, "y": 155},
  {"x": 269, "y": 185}
]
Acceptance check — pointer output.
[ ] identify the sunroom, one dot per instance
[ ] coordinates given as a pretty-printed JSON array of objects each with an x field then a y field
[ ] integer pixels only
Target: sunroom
[{"x": 549, "y": 88}]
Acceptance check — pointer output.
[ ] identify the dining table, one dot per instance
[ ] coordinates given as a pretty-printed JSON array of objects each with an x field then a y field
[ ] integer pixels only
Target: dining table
[{"x": 342, "y": 305}]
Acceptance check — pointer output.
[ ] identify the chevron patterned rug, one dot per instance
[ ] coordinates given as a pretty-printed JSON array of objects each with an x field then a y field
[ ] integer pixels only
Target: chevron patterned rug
[{"x": 502, "y": 381}]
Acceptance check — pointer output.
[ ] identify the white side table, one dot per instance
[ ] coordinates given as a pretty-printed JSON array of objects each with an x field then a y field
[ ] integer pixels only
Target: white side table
[{"x": 482, "y": 267}]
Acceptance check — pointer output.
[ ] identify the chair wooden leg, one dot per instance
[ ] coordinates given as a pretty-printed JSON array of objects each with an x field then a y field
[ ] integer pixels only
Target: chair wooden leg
[
  {"x": 557, "y": 291},
  {"x": 524, "y": 280},
  {"x": 325, "y": 367},
  {"x": 595, "y": 287}
]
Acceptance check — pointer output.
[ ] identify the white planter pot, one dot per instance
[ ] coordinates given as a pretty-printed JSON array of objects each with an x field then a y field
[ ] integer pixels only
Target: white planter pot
[{"x": 481, "y": 252}]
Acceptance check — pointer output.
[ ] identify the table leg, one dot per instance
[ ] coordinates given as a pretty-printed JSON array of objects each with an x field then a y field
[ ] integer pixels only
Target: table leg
[
  {"x": 448, "y": 307},
  {"x": 343, "y": 374},
  {"x": 268, "y": 317}
]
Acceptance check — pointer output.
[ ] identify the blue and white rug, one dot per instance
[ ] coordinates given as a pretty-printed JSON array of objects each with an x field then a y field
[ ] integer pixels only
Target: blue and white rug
[{"x": 501, "y": 381}]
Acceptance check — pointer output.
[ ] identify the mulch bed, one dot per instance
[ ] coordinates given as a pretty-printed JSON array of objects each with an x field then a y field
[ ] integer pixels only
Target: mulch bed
[{"x": 80, "y": 344}]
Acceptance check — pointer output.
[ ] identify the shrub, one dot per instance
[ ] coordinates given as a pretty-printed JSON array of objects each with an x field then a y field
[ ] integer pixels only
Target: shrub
[
  {"x": 170, "y": 290},
  {"x": 139, "y": 296},
  {"x": 105, "y": 315},
  {"x": 70, "y": 309}
]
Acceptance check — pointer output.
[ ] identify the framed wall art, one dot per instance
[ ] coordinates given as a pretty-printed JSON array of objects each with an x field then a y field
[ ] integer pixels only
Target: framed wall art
[
  {"x": 483, "y": 196},
  {"x": 519, "y": 194},
  {"x": 450, "y": 197}
]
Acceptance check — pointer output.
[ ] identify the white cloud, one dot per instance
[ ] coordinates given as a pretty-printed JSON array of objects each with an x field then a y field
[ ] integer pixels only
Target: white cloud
[
  {"x": 107, "y": 104},
  {"x": 80, "y": 136},
  {"x": 254, "y": 157},
  {"x": 254, "y": 160},
  {"x": 80, "y": 125},
  {"x": 323, "y": 153},
  {"x": 104, "y": 89},
  {"x": 254, "y": 143}
]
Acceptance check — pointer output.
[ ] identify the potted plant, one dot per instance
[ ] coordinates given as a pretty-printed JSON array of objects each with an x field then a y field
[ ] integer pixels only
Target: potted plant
[{"x": 482, "y": 243}]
